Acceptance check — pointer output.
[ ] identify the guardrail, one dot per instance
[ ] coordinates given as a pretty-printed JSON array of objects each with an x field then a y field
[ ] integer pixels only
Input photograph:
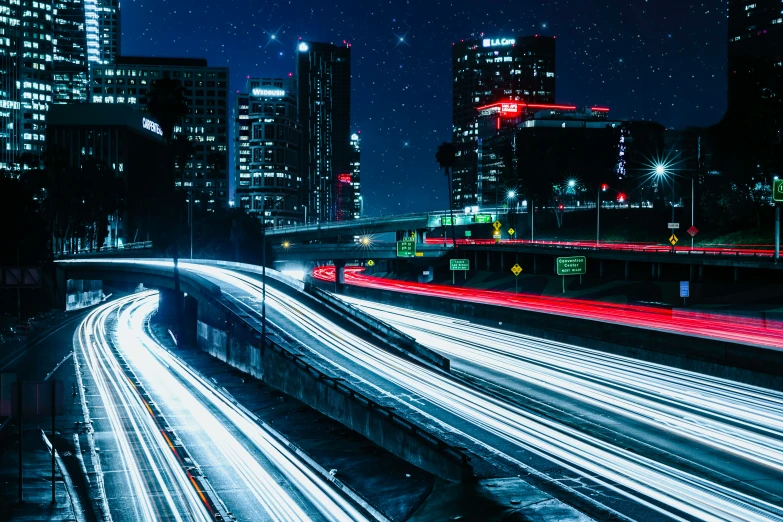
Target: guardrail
[{"x": 139, "y": 245}]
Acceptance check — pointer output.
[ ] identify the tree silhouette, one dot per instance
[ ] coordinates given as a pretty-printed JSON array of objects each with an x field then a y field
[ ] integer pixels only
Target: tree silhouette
[{"x": 446, "y": 156}]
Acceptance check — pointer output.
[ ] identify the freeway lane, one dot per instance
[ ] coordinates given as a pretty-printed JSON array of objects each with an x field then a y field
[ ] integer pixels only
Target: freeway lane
[
  {"x": 728, "y": 431},
  {"x": 251, "y": 473},
  {"x": 654, "y": 489},
  {"x": 765, "y": 333}
]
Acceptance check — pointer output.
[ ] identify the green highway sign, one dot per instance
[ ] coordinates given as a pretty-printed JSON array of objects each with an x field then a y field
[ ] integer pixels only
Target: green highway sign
[
  {"x": 445, "y": 221},
  {"x": 468, "y": 233},
  {"x": 459, "y": 264},
  {"x": 576, "y": 265},
  {"x": 406, "y": 248},
  {"x": 483, "y": 218},
  {"x": 777, "y": 190}
]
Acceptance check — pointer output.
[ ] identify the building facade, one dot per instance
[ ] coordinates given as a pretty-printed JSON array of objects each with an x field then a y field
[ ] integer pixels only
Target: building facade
[
  {"x": 103, "y": 30},
  {"x": 128, "y": 80},
  {"x": 529, "y": 149},
  {"x": 26, "y": 59},
  {"x": 266, "y": 152},
  {"x": 70, "y": 68},
  {"x": 486, "y": 71},
  {"x": 123, "y": 140},
  {"x": 323, "y": 75}
]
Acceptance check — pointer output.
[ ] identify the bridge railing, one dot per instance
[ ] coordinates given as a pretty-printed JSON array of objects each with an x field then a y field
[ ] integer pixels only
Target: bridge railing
[{"x": 139, "y": 245}]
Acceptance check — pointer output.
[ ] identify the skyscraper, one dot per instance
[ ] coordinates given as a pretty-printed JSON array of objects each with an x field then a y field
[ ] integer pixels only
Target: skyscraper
[
  {"x": 323, "y": 75},
  {"x": 103, "y": 30},
  {"x": 25, "y": 77},
  {"x": 70, "y": 67},
  {"x": 488, "y": 71},
  {"x": 128, "y": 81},
  {"x": 266, "y": 152}
]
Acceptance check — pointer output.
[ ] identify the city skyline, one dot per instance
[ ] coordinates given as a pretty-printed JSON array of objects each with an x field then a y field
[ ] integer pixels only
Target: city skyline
[{"x": 643, "y": 63}]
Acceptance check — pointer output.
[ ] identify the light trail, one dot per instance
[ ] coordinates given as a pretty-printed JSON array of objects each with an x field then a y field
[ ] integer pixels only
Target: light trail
[
  {"x": 766, "y": 333},
  {"x": 741, "y": 250},
  {"x": 744, "y": 420},
  {"x": 150, "y": 468},
  {"x": 148, "y": 454},
  {"x": 674, "y": 493},
  {"x": 191, "y": 392}
]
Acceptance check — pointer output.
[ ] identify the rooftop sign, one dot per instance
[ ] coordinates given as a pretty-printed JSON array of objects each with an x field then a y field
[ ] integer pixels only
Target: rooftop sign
[
  {"x": 277, "y": 93},
  {"x": 498, "y": 42},
  {"x": 151, "y": 126}
]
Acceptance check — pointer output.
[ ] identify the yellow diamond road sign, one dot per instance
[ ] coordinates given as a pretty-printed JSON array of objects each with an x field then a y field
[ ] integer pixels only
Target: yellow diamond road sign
[
  {"x": 497, "y": 225},
  {"x": 516, "y": 269},
  {"x": 510, "y": 231},
  {"x": 370, "y": 263},
  {"x": 673, "y": 240}
]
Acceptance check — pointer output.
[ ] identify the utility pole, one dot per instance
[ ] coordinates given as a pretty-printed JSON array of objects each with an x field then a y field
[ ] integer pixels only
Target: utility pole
[{"x": 777, "y": 232}]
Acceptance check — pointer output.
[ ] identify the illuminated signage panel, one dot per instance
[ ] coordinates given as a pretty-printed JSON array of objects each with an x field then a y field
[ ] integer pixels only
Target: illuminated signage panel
[{"x": 498, "y": 42}]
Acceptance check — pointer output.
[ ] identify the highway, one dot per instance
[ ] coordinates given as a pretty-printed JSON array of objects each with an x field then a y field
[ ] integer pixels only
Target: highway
[
  {"x": 746, "y": 330},
  {"x": 162, "y": 428},
  {"x": 730, "y": 431},
  {"x": 632, "y": 484}
]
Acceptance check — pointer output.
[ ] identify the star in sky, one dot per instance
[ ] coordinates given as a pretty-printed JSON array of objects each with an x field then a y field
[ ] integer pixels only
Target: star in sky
[
  {"x": 401, "y": 39},
  {"x": 272, "y": 37}
]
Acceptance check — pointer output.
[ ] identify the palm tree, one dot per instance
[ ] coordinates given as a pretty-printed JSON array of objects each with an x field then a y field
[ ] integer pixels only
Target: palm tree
[{"x": 446, "y": 157}]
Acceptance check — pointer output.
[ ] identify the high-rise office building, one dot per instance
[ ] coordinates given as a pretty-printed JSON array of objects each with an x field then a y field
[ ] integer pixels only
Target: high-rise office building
[
  {"x": 357, "y": 201},
  {"x": 128, "y": 81},
  {"x": 26, "y": 55},
  {"x": 323, "y": 75},
  {"x": 70, "y": 67},
  {"x": 487, "y": 71},
  {"x": 266, "y": 152},
  {"x": 103, "y": 30}
]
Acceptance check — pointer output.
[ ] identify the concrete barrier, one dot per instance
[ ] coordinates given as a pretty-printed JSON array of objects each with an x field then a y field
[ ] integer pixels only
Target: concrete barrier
[
  {"x": 754, "y": 365},
  {"x": 388, "y": 336},
  {"x": 232, "y": 336},
  {"x": 403, "y": 342}
]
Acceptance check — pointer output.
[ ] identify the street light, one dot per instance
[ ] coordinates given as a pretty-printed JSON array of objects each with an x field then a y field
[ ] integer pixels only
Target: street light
[
  {"x": 598, "y": 215},
  {"x": 263, "y": 266},
  {"x": 660, "y": 171}
]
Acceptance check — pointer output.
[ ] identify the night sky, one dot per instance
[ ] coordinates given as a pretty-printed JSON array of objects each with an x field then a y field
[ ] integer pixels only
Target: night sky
[{"x": 662, "y": 60}]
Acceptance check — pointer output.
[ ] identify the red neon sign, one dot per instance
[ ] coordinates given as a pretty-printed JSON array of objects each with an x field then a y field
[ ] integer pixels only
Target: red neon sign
[
  {"x": 512, "y": 108},
  {"x": 599, "y": 109},
  {"x": 344, "y": 178}
]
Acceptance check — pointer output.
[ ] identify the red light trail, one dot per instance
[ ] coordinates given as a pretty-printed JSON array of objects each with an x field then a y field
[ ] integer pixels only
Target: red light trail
[{"x": 760, "y": 332}]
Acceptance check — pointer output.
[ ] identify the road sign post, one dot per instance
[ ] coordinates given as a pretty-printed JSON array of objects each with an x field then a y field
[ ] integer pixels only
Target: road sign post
[
  {"x": 516, "y": 270},
  {"x": 685, "y": 290},
  {"x": 575, "y": 265},
  {"x": 459, "y": 264},
  {"x": 406, "y": 248}
]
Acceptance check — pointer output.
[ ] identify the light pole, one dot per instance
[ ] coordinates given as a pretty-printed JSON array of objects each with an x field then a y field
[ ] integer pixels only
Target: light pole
[
  {"x": 598, "y": 215},
  {"x": 660, "y": 172},
  {"x": 693, "y": 205},
  {"x": 190, "y": 217},
  {"x": 263, "y": 267},
  {"x": 511, "y": 197}
]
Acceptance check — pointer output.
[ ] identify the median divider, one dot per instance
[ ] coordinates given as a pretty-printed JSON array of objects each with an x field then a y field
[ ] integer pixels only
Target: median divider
[{"x": 389, "y": 337}]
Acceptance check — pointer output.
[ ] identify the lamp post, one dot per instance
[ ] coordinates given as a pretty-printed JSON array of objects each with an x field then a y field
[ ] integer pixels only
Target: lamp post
[
  {"x": 598, "y": 214},
  {"x": 263, "y": 267},
  {"x": 511, "y": 197},
  {"x": 660, "y": 172}
]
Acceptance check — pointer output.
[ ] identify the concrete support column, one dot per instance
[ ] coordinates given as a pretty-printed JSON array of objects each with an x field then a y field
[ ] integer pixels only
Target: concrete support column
[
  {"x": 535, "y": 264},
  {"x": 659, "y": 270},
  {"x": 692, "y": 272},
  {"x": 502, "y": 264},
  {"x": 475, "y": 260},
  {"x": 736, "y": 274},
  {"x": 701, "y": 272},
  {"x": 601, "y": 268},
  {"x": 653, "y": 270},
  {"x": 627, "y": 270},
  {"x": 339, "y": 271},
  {"x": 421, "y": 236},
  {"x": 189, "y": 322},
  {"x": 489, "y": 268}
]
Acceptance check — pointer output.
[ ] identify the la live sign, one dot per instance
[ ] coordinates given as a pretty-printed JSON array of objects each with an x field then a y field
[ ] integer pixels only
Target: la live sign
[{"x": 498, "y": 42}]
